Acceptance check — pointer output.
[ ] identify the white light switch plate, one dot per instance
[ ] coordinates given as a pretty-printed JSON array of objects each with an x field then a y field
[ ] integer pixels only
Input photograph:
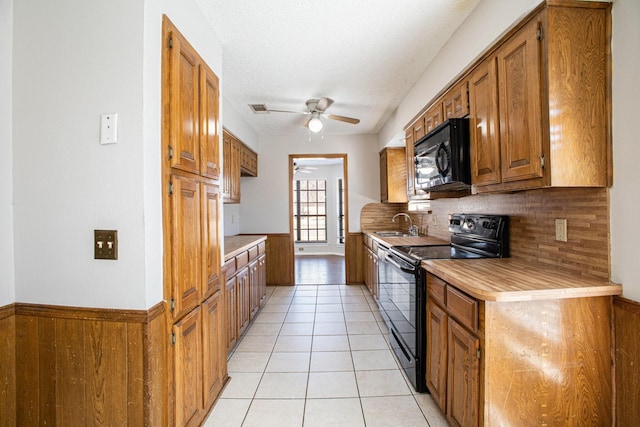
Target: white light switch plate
[{"x": 109, "y": 129}]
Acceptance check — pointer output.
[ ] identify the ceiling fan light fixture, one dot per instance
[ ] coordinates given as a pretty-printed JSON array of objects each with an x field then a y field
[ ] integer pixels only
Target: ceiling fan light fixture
[{"x": 315, "y": 125}]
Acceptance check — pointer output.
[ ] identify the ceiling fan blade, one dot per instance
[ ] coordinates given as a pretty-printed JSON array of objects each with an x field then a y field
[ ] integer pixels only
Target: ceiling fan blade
[
  {"x": 343, "y": 119},
  {"x": 323, "y": 104},
  {"x": 287, "y": 111},
  {"x": 306, "y": 122}
]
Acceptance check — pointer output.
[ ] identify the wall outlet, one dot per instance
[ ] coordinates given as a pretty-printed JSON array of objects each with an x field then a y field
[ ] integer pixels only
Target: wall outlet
[
  {"x": 300, "y": 249},
  {"x": 561, "y": 230}
]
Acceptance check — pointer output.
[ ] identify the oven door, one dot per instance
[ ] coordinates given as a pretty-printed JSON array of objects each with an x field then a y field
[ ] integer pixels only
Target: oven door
[{"x": 401, "y": 299}]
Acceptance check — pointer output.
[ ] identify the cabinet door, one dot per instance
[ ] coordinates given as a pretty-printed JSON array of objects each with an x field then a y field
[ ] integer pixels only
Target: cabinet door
[
  {"x": 520, "y": 105},
  {"x": 463, "y": 376},
  {"x": 432, "y": 118},
  {"x": 185, "y": 245},
  {"x": 411, "y": 166},
  {"x": 244, "y": 300},
  {"x": 184, "y": 104},
  {"x": 483, "y": 123},
  {"x": 188, "y": 368},
  {"x": 210, "y": 238},
  {"x": 236, "y": 153},
  {"x": 209, "y": 114},
  {"x": 437, "y": 354},
  {"x": 254, "y": 289},
  {"x": 231, "y": 312},
  {"x": 456, "y": 102},
  {"x": 384, "y": 194},
  {"x": 214, "y": 348},
  {"x": 262, "y": 278}
]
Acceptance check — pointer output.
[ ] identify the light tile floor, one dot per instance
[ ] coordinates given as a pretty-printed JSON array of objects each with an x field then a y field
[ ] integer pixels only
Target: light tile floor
[{"x": 318, "y": 355}]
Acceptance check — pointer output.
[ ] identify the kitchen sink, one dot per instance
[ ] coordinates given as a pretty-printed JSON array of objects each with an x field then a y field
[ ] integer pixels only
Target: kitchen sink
[{"x": 392, "y": 234}]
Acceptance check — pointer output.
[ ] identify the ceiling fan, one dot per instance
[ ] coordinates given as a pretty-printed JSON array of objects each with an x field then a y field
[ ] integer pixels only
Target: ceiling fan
[
  {"x": 302, "y": 169},
  {"x": 315, "y": 109}
]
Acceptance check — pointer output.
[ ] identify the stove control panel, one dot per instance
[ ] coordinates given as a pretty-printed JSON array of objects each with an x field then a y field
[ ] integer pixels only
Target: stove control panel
[{"x": 479, "y": 225}]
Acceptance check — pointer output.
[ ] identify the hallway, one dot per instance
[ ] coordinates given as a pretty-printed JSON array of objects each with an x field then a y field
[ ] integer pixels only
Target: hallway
[
  {"x": 317, "y": 355},
  {"x": 320, "y": 270}
]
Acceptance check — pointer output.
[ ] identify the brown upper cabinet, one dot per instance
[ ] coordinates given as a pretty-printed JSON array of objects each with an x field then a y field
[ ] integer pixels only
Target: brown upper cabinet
[
  {"x": 193, "y": 110},
  {"x": 538, "y": 101},
  {"x": 239, "y": 160},
  {"x": 539, "y": 104},
  {"x": 411, "y": 172},
  {"x": 393, "y": 175}
]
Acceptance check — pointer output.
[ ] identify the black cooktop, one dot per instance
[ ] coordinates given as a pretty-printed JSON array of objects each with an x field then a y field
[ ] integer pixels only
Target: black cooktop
[{"x": 435, "y": 252}]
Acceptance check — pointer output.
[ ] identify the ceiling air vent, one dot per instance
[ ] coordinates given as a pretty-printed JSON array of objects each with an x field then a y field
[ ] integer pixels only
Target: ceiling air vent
[{"x": 259, "y": 108}]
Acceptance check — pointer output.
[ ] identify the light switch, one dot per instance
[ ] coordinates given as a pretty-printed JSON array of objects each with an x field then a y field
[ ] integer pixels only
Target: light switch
[
  {"x": 105, "y": 244},
  {"x": 109, "y": 129}
]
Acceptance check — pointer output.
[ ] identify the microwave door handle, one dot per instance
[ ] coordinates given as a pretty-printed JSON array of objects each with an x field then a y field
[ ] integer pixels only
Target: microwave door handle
[{"x": 395, "y": 263}]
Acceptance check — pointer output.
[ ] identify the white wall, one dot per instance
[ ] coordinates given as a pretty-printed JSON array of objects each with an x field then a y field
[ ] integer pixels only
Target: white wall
[
  {"x": 331, "y": 174},
  {"x": 265, "y": 199},
  {"x": 625, "y": 196},
  {"x": 7, "y": 284},
  {"x": 73, "y": 61},
  {"x": 486, "y": 22}
]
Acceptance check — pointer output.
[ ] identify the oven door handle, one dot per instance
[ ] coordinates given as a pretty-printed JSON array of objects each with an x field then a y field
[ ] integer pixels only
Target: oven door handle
[{"x": 390, "y": 260}]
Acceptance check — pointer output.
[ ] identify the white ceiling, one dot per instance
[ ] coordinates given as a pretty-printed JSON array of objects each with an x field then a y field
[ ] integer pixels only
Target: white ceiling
[{"x": 364, "y": 54}]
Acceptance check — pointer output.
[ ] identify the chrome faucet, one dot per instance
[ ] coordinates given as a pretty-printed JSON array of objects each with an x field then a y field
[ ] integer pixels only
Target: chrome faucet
[{"x": 413, "y": 229}]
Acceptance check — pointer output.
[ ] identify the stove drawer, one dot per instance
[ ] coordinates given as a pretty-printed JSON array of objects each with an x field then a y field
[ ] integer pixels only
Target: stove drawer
[{"x": 463, "y": 308}]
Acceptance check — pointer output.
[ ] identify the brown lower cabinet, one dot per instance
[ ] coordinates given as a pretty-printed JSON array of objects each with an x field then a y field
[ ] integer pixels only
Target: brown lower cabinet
[
  {"x": 495, "y": 363},
  {"x": 246, "y": 290},
  {"x": 200, "y": 367},
  {"x": 371, "y": 265}
]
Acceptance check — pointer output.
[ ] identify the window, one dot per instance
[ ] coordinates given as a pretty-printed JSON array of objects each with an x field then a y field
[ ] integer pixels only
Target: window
[
  {"x": 340, "y": 212},
  {"x": 309, "y": 211}
]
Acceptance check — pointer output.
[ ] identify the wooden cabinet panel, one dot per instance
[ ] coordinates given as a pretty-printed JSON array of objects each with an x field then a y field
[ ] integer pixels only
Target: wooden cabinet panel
[
  {"x": 210, "y": 238},
  {"x": 262, "y": 278},
  {"x": 462, "y": 376},
  {"x": 393, "y": 175},
  {"x": 186, "y": 252},
  {"x": 184, "y": 104},
  {"x": 411, "y": 166},
  {"x": 463, "y": 308},
  {"x": 209, "y": 123},
  {"x": 188, "y": 369},
  {"x": 483, "y": 123},
  {"x": 437, "y": 354},
  {"x": 418, "y": 129},
  {"x": 432, "y": 118},
  {"x": 254, "y": 289},
  {"x": 520, "y": 104},
  {"x": 455, "y": 102},
  {"x": 244, "y": 300},
  {"x": 231, "y": 174},
  {"x": 248, "y": 162},
  {"x": 231, "y": 309},
  {"x": 214, "y": 348}
]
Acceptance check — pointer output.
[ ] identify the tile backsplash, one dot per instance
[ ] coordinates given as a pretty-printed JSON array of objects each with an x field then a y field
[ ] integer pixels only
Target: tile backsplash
[{"x": 532, "y": 224}]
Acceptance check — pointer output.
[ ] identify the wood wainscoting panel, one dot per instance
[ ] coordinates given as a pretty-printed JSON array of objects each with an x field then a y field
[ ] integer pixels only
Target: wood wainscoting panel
[
  {"x": 88, "y": 366},
  {"x": 279, "y": 252},
  {"x": 355, "y": 269},
  {"x": 7, "y": 366},
  {"x": 627, "y": 362}
]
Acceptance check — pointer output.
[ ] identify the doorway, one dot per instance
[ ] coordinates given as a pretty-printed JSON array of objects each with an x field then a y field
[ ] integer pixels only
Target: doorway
[{"x": 318, "y": 218}]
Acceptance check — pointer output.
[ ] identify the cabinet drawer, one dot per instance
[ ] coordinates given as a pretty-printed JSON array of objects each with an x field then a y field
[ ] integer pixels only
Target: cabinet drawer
[
  {"x": 463, "y": 308},
  {"x": 436, "y": 289},
  {"x": 242, "y": 259},
  {"x": 253, "y": 252},
  {"x": 229, "y": 268},
  {"x": 262, "y": 248}
]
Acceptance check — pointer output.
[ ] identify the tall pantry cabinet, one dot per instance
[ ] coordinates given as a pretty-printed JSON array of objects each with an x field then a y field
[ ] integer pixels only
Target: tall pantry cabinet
[{"x": 196, "y": 347}]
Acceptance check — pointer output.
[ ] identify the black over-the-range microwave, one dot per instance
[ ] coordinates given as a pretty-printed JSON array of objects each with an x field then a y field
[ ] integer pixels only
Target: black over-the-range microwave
[{"x": 442, "y": 158}]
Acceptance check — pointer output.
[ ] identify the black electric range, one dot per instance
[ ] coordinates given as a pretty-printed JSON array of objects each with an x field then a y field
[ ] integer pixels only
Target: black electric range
[{"x": 402, "y": 283}]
